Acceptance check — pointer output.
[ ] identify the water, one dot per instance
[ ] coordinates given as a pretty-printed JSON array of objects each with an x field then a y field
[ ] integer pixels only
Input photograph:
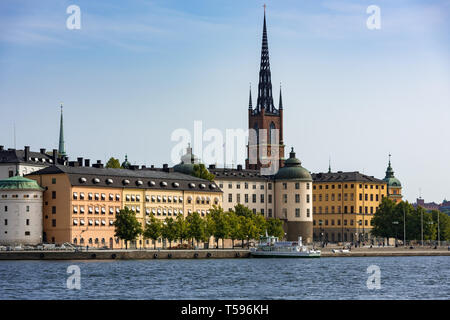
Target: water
[{"x": 324, "y": 278}]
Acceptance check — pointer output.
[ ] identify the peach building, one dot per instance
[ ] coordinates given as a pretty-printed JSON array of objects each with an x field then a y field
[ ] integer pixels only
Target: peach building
[{"x": 80, "y": 203}]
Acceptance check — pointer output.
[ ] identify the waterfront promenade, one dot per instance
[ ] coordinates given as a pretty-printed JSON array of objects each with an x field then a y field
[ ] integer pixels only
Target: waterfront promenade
[{"x": 92, "y": 254}]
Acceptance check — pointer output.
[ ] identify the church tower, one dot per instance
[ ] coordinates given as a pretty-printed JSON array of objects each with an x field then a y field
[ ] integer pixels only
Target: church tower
[{"x": 265, "y": 117}]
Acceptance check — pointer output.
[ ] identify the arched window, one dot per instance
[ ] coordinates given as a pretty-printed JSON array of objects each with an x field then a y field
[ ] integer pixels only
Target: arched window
[{"x": 271, "y": 132}]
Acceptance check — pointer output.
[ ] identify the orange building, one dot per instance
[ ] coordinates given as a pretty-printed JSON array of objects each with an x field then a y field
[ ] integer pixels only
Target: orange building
[{"x": 80, "y": 203}]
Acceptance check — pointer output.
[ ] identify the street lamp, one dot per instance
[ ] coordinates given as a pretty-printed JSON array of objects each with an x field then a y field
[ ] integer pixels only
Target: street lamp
[
  {"x": 395, "y": 223},
  {"x": 359, "y": 234}
]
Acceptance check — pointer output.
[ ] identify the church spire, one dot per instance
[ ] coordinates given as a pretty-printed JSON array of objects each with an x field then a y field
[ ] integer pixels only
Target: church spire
[
  {"x": 250, "y": 97},
  {"x": 61, "y": 147},
  {"x": 280, "y": 104},
  {"x": 265, "y": 99}
]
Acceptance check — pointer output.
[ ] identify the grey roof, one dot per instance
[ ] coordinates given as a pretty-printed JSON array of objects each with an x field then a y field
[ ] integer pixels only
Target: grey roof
[
  {"x": 239, "y": 174},
  {"x": 18, "y": 156},
  {"x": 340, "y": 176},
  {"x": 117, "y": 177}
]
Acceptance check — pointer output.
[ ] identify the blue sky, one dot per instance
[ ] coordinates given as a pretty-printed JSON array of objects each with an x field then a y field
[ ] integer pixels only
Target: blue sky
[{"x": 138, "y": 70}]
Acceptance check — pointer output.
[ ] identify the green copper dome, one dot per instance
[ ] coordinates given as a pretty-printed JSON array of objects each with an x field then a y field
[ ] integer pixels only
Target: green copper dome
[
  {"x": 293, "y": 170},
  {"x": 19, "y": 183},
  {"x": 390, "y": 179},
  {"x": 126, "y": 164},
  {"x": 187, "y": 163}
]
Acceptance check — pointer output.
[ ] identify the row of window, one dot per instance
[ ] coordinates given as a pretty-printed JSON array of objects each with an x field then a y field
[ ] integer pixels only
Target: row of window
[
  {"x": 352, "y": 186},
  {"x": 333, "y": 197},
  {"x": 96, "y": 196},
  {"x": 254, "y": 186},
  {"x": 27, "y": 209},
  {"x": 297, "y": 212},
  {"x": 297, "y": 185},
  {"x": 338, "y": 221},
  {"x": 25, "y": 196},
  {"x": 27, "y": 222},
  {"x": 337, "y": 209}
]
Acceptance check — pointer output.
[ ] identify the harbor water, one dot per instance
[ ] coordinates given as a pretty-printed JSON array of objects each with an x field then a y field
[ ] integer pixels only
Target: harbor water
[{"x": 323, "y": 278}]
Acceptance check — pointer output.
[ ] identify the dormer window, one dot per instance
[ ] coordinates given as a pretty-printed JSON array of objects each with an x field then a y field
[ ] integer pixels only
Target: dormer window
[
  {"x": 126, "y": 181},
  {"x": 191, "y": 185},
  {"x": 96, "y": 180},
  {"x": 176, "y": 184},
  {"x": 139, "y": 183},
  {"x": 151, "y": 183},
  {"x": 202, "y": 186},
  {"x": 163, "y": 184},
  {"x": 109, "y": 181},
  {"x": 83, "y": 180}
]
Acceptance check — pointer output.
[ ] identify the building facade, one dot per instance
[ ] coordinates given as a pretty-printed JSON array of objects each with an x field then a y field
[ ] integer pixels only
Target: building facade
[
  {"x": 344, "y": 204},
  {"x": 81, "y": 203},
  {"x": 22, "y": 162},
  {"x": 20, "y": 211}
]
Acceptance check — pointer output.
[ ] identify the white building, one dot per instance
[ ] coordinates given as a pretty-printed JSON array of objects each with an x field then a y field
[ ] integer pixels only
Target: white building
[
  {"x": 20, "y": 211},
  {"x": 22, "y": 162}
]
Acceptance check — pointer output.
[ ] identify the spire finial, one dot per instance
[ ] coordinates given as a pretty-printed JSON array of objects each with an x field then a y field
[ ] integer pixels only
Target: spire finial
[
  {"x": 61, "y": 147},
  {"x": 264, "y": 8},
  {"x": 280, "y": 104}
]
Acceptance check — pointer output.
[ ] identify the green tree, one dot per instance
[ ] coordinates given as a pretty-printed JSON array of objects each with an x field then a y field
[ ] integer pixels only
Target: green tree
[
  {"x": 127, "y": 227},
  {"x": 200, "y": 171},
  {"x": 444, "y": 225},
  {"x": 182, "y": 228},
  {"x": 153, "y": 229},
  {"x": 249, "y": 229},
  {"x": 169, "y": 231},
  {"x": 235, "y": 230},
  {"x": 275, "y": 228},
  {"x": 218, "y": 225},
  {"x": 260, "y": 224},
  {"x": 196, "y": 227},
  {"x": 242, "y": 210},
  {"x": 113, "y": 163}
]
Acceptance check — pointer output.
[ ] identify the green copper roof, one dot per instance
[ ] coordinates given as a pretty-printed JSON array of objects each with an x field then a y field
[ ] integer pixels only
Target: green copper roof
[
  {"x": 188, "y": 160},
  {"x": 126, "y": 164},
  {"x": 18, "y": 182},
  {"x": 293, "y": 170},
  {"x": 390, "y": 179}
]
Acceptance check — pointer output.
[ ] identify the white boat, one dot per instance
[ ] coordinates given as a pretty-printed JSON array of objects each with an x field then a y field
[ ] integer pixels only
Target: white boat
[{"x": 270, "y": 247}]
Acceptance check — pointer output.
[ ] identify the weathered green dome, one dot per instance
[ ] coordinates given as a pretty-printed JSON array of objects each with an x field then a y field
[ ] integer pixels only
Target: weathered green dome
[
  {"x": 188, "y": 160},
  {"x": 293, "y": 170},
  {"x": 390, "y": 179},
  {"x": 19, "y": 183}
]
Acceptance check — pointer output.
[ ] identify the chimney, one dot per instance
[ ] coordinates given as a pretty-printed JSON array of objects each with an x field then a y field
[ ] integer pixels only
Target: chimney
[
  {"x": 55, "y": 156},
  {"x": 98, "y": 164},
  {"x": 87, "y": 162},
  {"x": 73, "y": 164},
  {"x": 239, "y": 167},
  {"x": 165, "y": 167},
  {"x": 80, "y": 161},
  {"x": 27, "y": 152},
  {"x": 212, "y": 166},
  {"x": 1, "y": 148},
  {"x": 42, "y": 150},
  {"x": 143, "y": 167},
  {"x": 152, "y": 166}
]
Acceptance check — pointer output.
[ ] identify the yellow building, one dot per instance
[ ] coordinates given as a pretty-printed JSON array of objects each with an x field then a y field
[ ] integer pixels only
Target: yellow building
[
  {"x": 344, "y": 204},
  {"x": 80, "y": 203}
]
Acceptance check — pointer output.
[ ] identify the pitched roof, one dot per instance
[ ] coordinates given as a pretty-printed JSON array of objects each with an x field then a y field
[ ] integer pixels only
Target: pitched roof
[
  {"x": 340, "y": 176},
  {"x": 18, "y": 156},
  {"x": 239, "y": 174},
  {"x": 123, "y": 178}
]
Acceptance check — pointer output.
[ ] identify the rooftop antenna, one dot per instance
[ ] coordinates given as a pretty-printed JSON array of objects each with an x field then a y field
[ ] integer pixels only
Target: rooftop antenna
[
  {"x": 420, "y": 193},
  {"x": 14, "y": 132},
  {"x": 329, "y": 164}
]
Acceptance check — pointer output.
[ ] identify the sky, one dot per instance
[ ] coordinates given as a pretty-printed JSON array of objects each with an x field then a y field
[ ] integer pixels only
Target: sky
[{"x": 138, "y": 70}]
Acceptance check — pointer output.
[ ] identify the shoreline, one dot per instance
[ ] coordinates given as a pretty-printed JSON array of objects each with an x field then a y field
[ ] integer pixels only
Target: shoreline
[{"x": 200, "y": 254}]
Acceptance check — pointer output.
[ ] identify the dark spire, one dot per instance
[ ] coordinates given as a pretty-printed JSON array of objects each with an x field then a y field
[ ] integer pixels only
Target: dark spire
[
  {"x": 265, "y": 99},
  {"x": 280, "y": 104},
  {"x": 61, "y": 147},
  {"x": 250, "y": 97},
  {"x": 389, "y": 171},
  {"x": 329, "y": 165}
]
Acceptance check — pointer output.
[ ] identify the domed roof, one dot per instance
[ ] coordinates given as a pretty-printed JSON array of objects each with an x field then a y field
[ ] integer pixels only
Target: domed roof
[
  {"x": 188, "y": 160},
  {"x": 19, "y": 183},
  {"x": 390, "y": 179},
  {"x": 293, "y": 170},
  {"x": 126, "y": 164}
]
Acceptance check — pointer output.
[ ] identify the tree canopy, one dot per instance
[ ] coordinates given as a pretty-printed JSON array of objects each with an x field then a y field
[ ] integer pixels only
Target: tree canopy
[
  {"x": 113, "y": 163},
  {"x": 127, "y": 227}
]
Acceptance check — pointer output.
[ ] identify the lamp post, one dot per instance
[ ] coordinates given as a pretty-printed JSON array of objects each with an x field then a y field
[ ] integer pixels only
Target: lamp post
[
  {"x": 395, "y": 223},
  {"x": 404, "y": 227}
]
